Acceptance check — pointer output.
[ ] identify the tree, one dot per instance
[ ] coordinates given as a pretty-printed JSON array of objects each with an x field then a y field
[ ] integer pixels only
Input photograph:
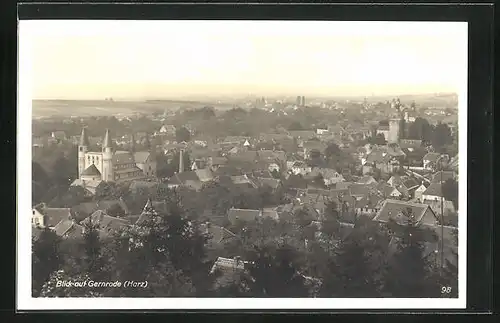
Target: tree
[
  {"x": 295, "y": 126},
  {"x": 94, "y": 263},
  {"x": 441, "y": 136},
  {"x": 41, "y": 182},
  {"x": 420, "y": 129},
  {"x": 356, "y": 268},
  {"x": 450, "y": 191},
  {"x": 379, "y": 139},
  {"x": 172, "y": 248},
  {"x": 52, "y": 287},
  {"x": 63, "y": 172},
  {"x": 182, "y": 134},
  {"x": 409, "y": 272},
  {"x": 450, "y": 273},
  {"x": 333, "y": 151},
  {"x": 274, "y": 272},
  {"x": 45, "y": 258}
]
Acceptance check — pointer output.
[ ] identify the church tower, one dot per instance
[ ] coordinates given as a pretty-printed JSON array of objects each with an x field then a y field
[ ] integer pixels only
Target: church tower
[
  {"x": 83, "y": 147},
  {"x": 394, "y": 130},
  {"x": 107, "y": 158}
]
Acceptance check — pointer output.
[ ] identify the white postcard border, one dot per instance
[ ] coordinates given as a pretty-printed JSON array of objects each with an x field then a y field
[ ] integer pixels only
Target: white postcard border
[{"x": 24, "y": 133}]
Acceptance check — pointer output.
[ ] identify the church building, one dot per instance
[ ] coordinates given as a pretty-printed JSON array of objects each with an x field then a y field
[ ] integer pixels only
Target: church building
[{"x": 112, "y": 165}]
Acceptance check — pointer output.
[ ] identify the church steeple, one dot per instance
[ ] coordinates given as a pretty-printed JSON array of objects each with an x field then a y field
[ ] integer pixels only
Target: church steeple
[
  {"x": 83, "y": 147},
  {"x": 107, "y": 158},
  {"x": 132, "y": 143},
  {"x": 106, "y": 143},
  {"x": 84, "y": 140}
]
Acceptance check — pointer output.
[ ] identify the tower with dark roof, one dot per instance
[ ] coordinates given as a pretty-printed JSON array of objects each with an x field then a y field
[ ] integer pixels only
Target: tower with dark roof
[
  {"x": 83, "y": 147},
  {"x": 107, "y": 158},
  {"x": 132, "y": 144}
]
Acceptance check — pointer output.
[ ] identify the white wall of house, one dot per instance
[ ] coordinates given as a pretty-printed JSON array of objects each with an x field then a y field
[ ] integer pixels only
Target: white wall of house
[
  {"x": 301, "y": 170},
  {"x": 274, "y": 167},
  {"x": 37, "y": 219}
]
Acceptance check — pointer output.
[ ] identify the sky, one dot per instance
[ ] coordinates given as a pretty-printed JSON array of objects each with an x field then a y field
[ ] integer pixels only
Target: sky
[{"x": 167, "y": 59}]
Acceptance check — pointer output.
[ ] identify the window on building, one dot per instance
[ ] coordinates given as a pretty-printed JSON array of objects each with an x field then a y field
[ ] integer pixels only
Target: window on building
[{"x": 81, "y": 148}]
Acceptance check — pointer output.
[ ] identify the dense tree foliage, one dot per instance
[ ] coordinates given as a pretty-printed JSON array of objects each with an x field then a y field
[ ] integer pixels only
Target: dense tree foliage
[
  {"x": 45, "y": 259},
  {"x": 182, "y": 134},
  {"x": 450, "y": 191}
]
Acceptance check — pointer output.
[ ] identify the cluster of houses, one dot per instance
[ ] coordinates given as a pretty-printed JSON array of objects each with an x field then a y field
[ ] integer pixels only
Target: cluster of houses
[{"x": 414, "y": 179}]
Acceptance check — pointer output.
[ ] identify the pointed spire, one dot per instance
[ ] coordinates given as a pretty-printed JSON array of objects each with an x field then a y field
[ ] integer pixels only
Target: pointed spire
[
  {"x": 106, "y": 143},
  {"x": 84, "y": 140},
  {"x": 148, "y": 208},
  {"x": 149, "y": 204},
  {"x": 132, "y": 143}
]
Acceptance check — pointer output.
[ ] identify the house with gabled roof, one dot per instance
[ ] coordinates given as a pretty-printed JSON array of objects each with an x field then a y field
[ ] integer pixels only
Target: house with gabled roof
[
  {"x": 302, "y": 134},
  {"x": 433, "y": 193},
  {"x": 90, "y": 187},
  {"x": 417, "y": 195},
  {"x": 432, "y": 244},
  {"x": 228, "y": 271},
  {"x": 395, "y": 210},
  {"x": 218, "y": 235},
  {"x": 330, "y": 176},
  {"x": 107, "y": 223},
  {"x": 271, "y": 182},
  {"x": 313, "y": 145},
  {"x": 168, "y": 130},
  {"x": 246, "y": 215},
  {"x": 69, "y": 229},
  {"x": 48, "y": 217},
  {"x": 430, "y": 160},
  {"x": 300, "y": 167},
  {"x": 368, "y": 205},
  {"x": 366, "y": 180},
  {"x": 443, "y": 176},
  {"x": 243, "y": 181}
]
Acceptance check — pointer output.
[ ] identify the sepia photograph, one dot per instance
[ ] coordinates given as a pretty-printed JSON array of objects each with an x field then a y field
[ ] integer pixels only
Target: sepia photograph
[{"x": 292, "y": 164}]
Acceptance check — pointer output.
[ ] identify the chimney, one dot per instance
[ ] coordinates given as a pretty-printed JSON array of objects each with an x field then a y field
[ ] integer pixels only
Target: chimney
[{"x": 181, "y": 161}]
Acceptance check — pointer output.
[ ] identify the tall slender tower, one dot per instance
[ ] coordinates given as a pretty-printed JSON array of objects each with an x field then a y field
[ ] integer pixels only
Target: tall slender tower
[
  {"x": 83, "y": 147},
  {"x": 303, "y": 101},
  {"x": 181, "y": 161},
  {"x": 132, "y": 143},
  {"x": 107, "y": 158}
]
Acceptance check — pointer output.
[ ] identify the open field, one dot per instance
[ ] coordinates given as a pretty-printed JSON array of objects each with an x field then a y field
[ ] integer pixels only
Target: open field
[{"x": 84, "y": 108}]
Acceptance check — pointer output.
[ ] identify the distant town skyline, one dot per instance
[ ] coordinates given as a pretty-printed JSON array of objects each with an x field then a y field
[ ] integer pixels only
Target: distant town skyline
[{"x": 171, "y": 59}]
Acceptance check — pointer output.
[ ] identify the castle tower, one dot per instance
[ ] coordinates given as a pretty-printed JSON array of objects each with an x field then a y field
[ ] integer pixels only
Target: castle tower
[
  {"x": 107, "y": 158},
  {"x": 181, "y": 161},
  {"x": 394, "y": 131},
  {"x": 83, "y": 147}
]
